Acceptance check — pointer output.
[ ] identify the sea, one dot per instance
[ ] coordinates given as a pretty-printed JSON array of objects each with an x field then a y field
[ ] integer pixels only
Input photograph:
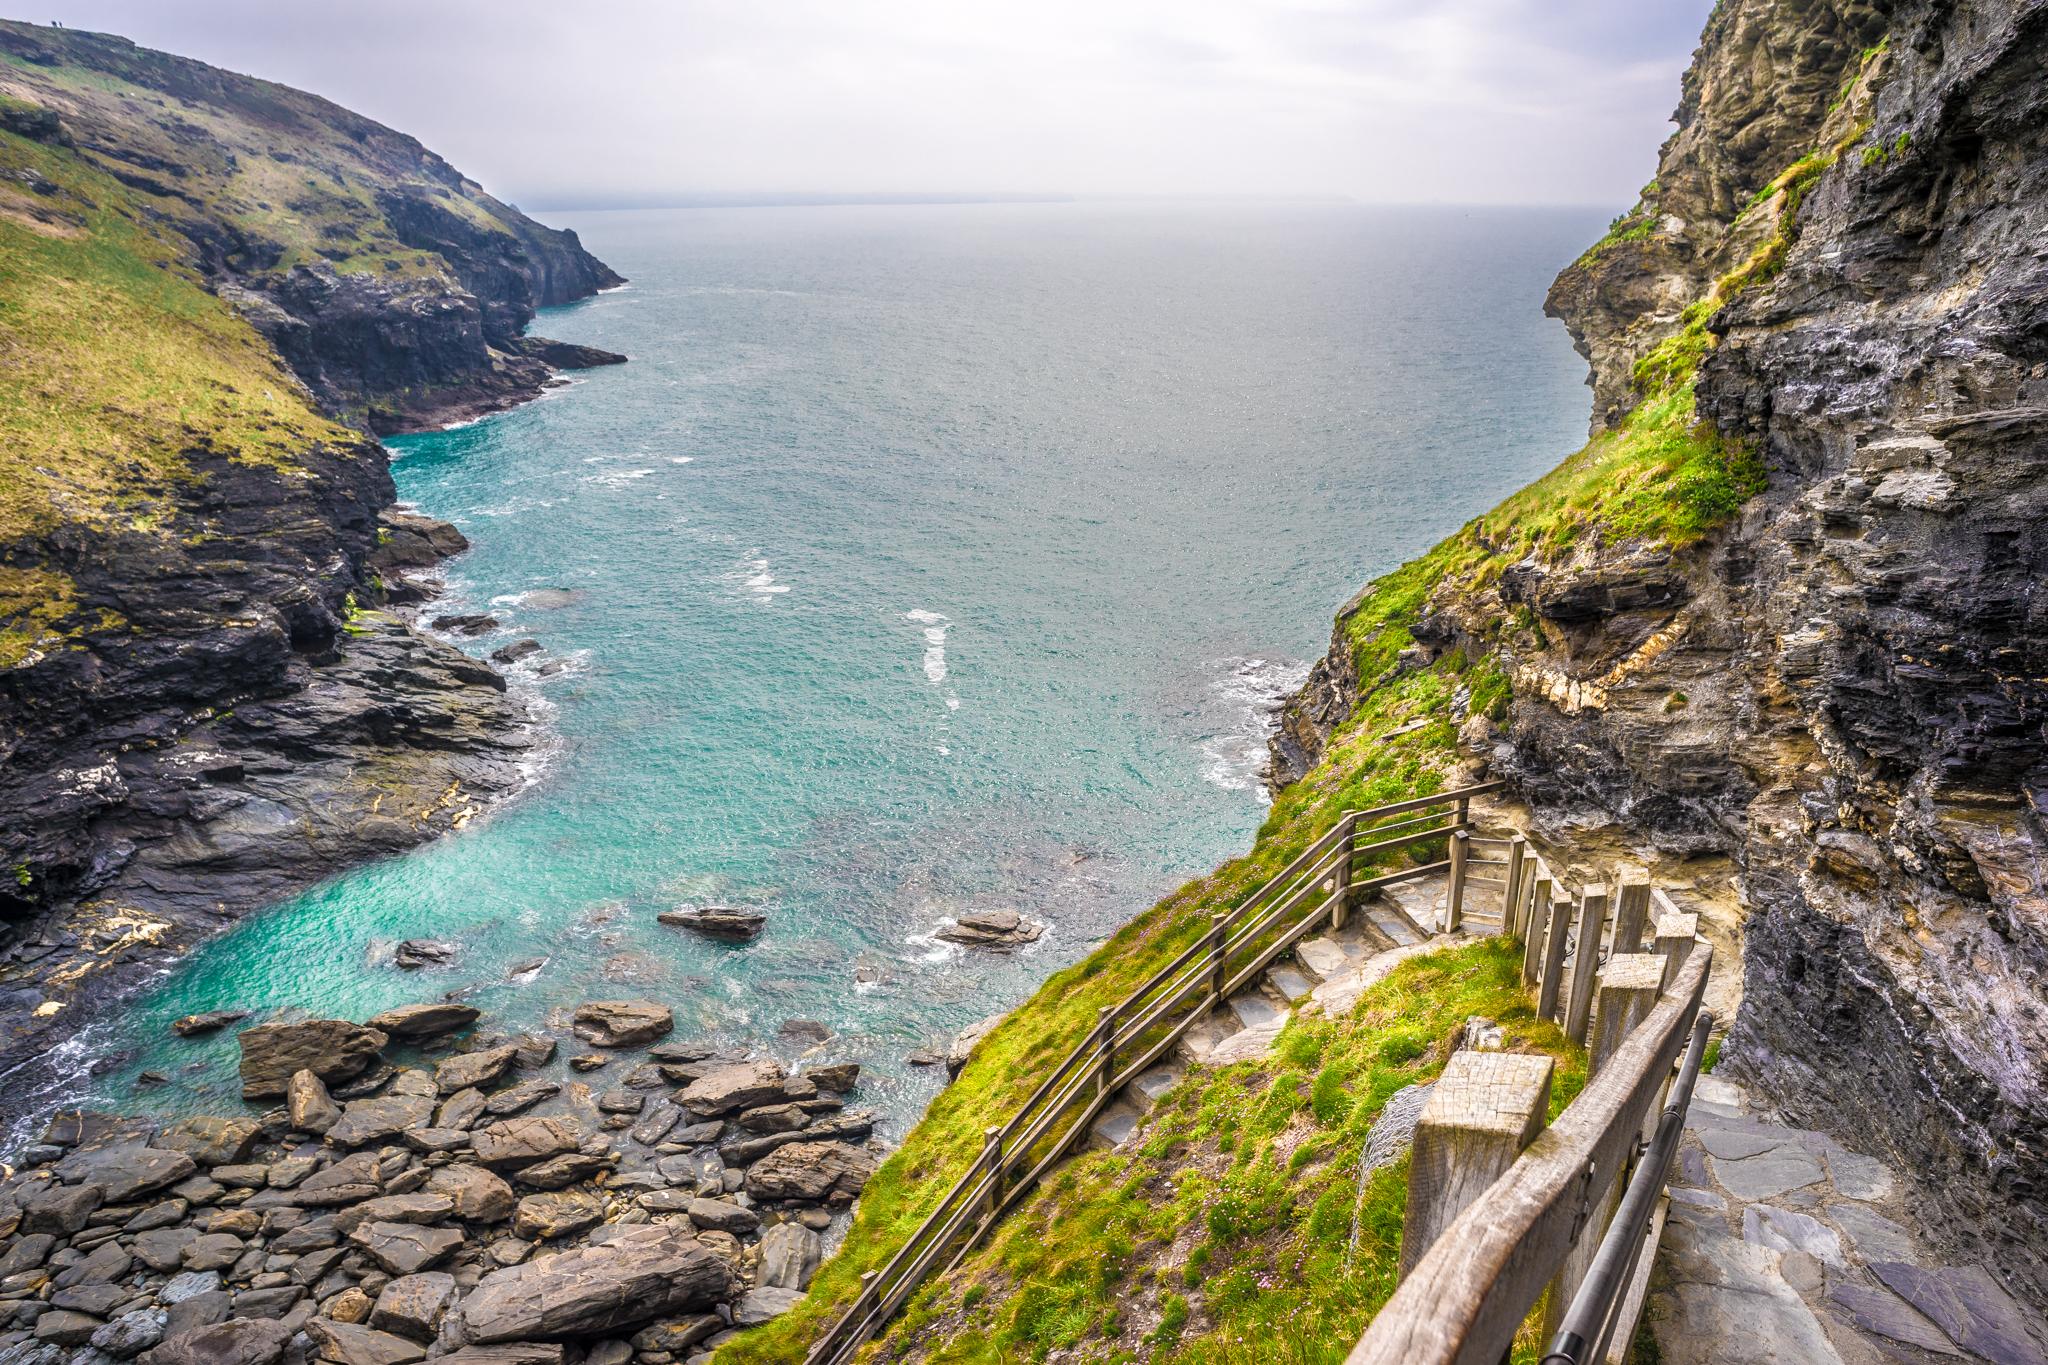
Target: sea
[{"x": 924, "y": 560}]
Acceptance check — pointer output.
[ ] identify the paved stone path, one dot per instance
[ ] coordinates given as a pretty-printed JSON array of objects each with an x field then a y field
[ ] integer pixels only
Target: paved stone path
[{"x": 1785, "y": 1248}]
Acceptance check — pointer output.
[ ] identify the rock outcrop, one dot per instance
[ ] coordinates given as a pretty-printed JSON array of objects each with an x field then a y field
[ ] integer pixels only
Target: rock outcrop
[
  {"x": 206, "y": 700},
  {"x": 1842, "y": 680},
  {"x": 403, "y": 1225}
]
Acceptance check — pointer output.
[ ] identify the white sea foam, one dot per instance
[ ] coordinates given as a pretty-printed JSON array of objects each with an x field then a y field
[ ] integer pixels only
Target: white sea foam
[
  {"x": 682, "y": 459},
  {"x": 758, "y": 578},
  {"x": 1246, "y": 699},
  {"x": 935, "y": 628}
]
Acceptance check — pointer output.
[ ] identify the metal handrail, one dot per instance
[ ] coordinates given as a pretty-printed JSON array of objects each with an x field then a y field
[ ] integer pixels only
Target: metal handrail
[
  {"x": 1588, "y": 1326},
  {"x": 986, "y": 1179}
]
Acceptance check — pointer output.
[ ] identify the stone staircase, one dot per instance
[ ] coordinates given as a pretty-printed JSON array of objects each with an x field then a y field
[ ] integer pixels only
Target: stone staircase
[{"x": 1333, "y": 965}]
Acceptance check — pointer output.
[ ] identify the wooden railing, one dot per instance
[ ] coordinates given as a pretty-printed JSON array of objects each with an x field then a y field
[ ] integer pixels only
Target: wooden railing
[
  {"x": 1490, "y": 1247},
  {"x": 1318, "y": 887}
]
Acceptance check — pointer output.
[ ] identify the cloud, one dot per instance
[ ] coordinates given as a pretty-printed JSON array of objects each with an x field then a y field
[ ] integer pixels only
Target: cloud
[{"x": 1490, "y": 101}]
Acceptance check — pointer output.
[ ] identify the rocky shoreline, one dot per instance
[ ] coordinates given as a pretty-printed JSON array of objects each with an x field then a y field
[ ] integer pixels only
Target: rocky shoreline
[{"x": 459, "y": 1206}]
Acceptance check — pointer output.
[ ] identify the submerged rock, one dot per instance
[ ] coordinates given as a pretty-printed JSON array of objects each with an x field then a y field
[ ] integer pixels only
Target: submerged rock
[
  {"x": 719, "y": 922},
  {"x": 211, "y": 1021}
]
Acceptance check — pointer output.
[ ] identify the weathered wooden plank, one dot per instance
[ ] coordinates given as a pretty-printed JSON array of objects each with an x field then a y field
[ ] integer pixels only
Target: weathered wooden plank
[
  {"x": 1586, "y": 961},
  {"x": 1464, "y": 1300},
  {"x": 1631, "y": 908},
  {"x": 1554, "y": 942},
  {"x": 1484, "y": 1110},
  {"x": 1675, "y": 937},
  {"x": 1629, "y": 986},
  {"x": 1454, "y": 902},
  {"x": 1536, "y": 921}
]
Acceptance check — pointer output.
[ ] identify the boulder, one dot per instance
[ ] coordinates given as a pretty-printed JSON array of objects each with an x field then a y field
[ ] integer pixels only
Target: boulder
[
  {"x": 545, "y": 1217},
  {"x": 727, "y": 1088},
  {"x": 474, "y": 1070},
  {"x": 991, "y": 929},
  {"x": 790, "y": 1253},
  {"x": 406, "y": 1248},
  {"x": 308, "y": 1106},
  {"x": 645, "y": 1273},
  {"x": 348, "y": 1181},
  {"x": 511, "y": 1143},
  {"x": 558, "y": 1172},
  {"x": 363, "y": 1122},
  {"x": 719, "y": 922},
  {"x": 347, "y": 1344},
  {"x": 212, "y": 1141},
  {"x": 764, "y": 1305},
  {"x": 524, "y": 1095},
  {"x": 208, "y": 1021},
  {"x": 621, "y": 1023},
  {"x": 130, "y": 1334},
  {"x": 410, "y": 1023},
  {"x": 514, "y": 652},
  {"x": 125, "y": 1174},
  {"x": 239, "y": 1341},
  {"x": 511, "y": 1353},
  {"x": 721, "y": 1216},
  {"x": 423, "y": 1207},
  {"x": 415, "y": 953},
  {"x": 413, "y": 1305},
  {"x": 332, "y": 1049},
  {"x": 479, "y": 1196},
  {"x": 775, "y": 1118},
  {"x": 837, "y": 1078},
  {"x": 810, "y": 1171},
  {"x": 66, "y": 1327},
  {"x": 60, "y": 1211}
]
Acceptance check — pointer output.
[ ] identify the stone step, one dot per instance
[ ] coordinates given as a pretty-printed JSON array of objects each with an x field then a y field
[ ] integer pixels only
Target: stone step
[
  {"x": 1323, "y": 957},
  {"x": 1360, "y": 938},
  {"x": 1422, "y": 902},
  {"x": 1254, "y": 1008},
  {"x": 1148, "y": 1087},
  {"x": 1291, "y": 983},
  {"x": 1201, "y": 1038},
  {"x": 1397, "y": 929},
  {"x": 1113, "y": 1126}
]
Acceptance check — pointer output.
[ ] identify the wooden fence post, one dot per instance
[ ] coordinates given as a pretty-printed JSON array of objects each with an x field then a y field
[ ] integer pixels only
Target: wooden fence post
[
  {"x": 1105, "y": 1033},
  {"x": 1218, "y": 935},
  {"x": 1454, "y": 901},
  {"x": 1629, "y": 986},
  {"x": 1552, "y": 983},
  {"x": 1487, "y": 1107},
  {"x": 1586, "y": 962},
  {"x": 992, "y": 1157},
  {"x": 1511, "y": 893},
  {"x": 1340, "y": 891},
  {"x": 1631, "y": 908},
  {"x": 1538, "y": 920},
  {"x": 1675, "y": 936}
]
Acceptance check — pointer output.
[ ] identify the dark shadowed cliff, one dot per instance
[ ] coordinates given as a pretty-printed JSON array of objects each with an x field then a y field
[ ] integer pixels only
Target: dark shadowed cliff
[
  {"x": 210, "y": 287},
  {"x": 1787, "y": 604}
]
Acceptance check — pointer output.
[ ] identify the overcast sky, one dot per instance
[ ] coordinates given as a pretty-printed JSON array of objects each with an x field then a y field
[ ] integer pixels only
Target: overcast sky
[{"x": 594, "y": 102}]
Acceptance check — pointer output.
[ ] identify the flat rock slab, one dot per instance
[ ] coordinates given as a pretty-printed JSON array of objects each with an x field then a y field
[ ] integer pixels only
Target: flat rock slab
[
  {"x": 644, "y": 1273},
  {"x": 1787, "y": 1230},
  {"x": 1970, "y": 1307},
  {"x": 1768, "y": 1173},
  {"x": 1879, "y": 1313}
]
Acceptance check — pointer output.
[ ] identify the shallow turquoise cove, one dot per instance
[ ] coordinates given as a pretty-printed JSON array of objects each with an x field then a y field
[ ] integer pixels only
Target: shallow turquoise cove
[{"x": 923, "y": 559}]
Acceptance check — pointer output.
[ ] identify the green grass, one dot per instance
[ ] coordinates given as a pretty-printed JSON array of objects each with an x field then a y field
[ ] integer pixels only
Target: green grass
[{"x": 1228, "y": 1233}]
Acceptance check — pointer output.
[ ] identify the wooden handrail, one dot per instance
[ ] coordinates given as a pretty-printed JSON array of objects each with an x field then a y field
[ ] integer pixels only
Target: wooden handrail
[
  {"x": 1469, "y": 1294},
  {"x": 1091, "y": 1073}
]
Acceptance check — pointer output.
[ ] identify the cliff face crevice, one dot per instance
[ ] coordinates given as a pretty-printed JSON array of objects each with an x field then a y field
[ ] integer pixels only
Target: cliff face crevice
[
  {"x": 209, "y": 287},
  {"x": 1843, "y": 684}
]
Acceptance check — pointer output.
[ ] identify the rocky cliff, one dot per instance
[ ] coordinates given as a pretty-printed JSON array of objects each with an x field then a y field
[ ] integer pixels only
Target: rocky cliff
[
  {"x": 210, "y": 286},
  {"x": 1786, "y": 604}
]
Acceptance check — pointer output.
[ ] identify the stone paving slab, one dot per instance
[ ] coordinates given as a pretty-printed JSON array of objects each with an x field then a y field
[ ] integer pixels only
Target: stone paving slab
[{"x": 1785, "y": 1246}]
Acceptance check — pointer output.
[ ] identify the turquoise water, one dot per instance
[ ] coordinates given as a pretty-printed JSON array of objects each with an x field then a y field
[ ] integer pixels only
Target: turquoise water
[{"x": 923, "y": 559}]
